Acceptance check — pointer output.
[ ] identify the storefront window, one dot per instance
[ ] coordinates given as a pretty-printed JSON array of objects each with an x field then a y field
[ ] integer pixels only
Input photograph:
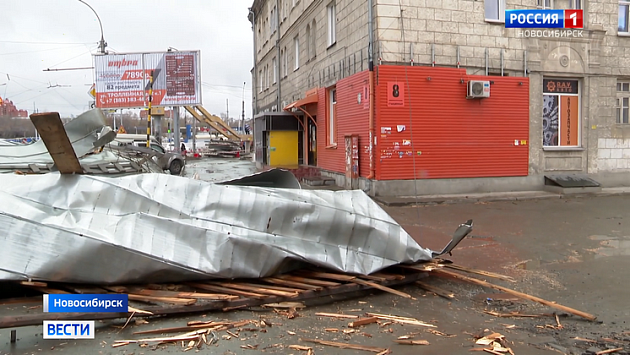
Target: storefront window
[{"x": 561, "y": 113}]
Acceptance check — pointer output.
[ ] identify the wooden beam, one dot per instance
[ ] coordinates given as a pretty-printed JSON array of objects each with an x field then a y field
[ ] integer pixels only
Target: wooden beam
[
  {"x": 480, "y": 272},
  {"x": 350, "y": 289},
  {"x": 373, "y": 349},
  {"x": 436, "y": 290},
  {"x": 516, "y": 293},
  {"x": 50, "y": 128}
]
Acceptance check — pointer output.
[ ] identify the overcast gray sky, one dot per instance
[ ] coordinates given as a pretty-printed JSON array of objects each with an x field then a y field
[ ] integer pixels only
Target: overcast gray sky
[{"x": 61, "y": 34}]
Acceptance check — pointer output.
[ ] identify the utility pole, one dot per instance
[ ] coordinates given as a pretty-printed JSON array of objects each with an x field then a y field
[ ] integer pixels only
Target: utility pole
[
  {"x": 227, "y": 114},
  {"x": 243, "y": 118}
]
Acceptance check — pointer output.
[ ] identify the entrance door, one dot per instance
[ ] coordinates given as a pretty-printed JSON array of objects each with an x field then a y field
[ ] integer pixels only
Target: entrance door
[
  {"x": 312, "y": 142},
  {"x": 283, "y": 148}
]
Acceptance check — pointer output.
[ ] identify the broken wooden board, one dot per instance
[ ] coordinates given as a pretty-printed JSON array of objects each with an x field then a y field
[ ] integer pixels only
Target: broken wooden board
[
  {"x": 247, "y": 300},
  {"x": 50, "y": 128}
]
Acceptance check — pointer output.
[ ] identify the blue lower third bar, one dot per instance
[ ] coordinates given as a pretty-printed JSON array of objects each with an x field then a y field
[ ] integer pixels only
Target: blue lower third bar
[{"x": 94, "y": 303}]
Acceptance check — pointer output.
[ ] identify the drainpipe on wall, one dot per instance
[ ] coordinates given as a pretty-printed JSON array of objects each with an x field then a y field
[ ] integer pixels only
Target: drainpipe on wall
[
  {"x": 371, "y": 85},
  {"x": 278, "y": 59}
]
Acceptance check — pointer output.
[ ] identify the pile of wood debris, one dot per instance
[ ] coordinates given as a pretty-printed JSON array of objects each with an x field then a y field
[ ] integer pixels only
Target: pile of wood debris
[{"x": 284, "y": 294}]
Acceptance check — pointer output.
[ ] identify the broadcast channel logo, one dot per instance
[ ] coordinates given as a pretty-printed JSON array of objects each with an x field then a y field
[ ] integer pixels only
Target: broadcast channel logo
[
  {"x": 570, "y": 19},
  {"x": 65, "y": 329},
  {"x": 82, "y": 303}
]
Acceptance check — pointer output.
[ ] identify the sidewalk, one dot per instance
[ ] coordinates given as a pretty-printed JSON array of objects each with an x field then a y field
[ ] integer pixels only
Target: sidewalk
[{"x": 490, "y": 197}]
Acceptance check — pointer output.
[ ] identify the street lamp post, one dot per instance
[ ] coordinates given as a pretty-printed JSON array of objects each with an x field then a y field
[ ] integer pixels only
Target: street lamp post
[{"x": 102, "y": 44}]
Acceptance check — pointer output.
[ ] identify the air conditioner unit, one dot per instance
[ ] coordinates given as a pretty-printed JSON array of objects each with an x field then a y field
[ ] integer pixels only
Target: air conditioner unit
[{"x": 478, "y": 89}]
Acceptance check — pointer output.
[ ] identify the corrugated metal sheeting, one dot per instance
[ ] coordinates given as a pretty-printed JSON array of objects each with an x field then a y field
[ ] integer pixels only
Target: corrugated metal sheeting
[
  {"x": 352, "y": 118},
  {"x": 431, "y": 123}
]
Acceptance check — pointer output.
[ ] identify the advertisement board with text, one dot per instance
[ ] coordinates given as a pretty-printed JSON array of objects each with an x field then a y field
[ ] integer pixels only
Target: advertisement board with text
[{"x": 122, "y": 80}]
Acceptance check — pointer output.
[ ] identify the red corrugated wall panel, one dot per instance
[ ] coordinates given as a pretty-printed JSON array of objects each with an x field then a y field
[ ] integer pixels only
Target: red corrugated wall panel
[
  {"x": 352, "y": 118},
  {"x": 445, "y": 134}
]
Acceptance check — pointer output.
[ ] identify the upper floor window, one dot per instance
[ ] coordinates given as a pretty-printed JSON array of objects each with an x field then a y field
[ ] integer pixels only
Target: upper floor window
[
  {"x": 624, "y": 17},
  {"x": 308, "y": 42},
  {"x": 260, "y": 78},
  {"x": 623, "y": 102},
  {"x": 296, "y": 42},
  {"x": 273, "y": 23},
  {"x": 560, "y": 4},
  {"x": 274, "y": 63},
  {"x": 495, "y": 10},
  {"x": 332, "y": 24},
  {"x": 286, "y": 62},
  {"x": 313, "y": 40}
]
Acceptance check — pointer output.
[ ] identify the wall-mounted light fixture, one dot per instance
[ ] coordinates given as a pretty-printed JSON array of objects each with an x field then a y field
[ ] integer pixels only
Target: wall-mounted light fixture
[
  {"x": 520, "y": 83},
  {"x": 428, "y": 78},
  {"x": 461, "y": 81}
]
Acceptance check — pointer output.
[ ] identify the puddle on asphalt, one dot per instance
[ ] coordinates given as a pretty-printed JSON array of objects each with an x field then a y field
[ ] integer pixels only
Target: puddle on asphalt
[
  {"x": 611, "y": 246},
  {"x": 528, "y": 265},
  {"x": 219, "y": 169}
]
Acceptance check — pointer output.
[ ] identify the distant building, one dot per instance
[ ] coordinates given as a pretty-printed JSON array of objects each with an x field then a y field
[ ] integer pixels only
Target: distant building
[
  {"x": 555, "y": 105},
  {"x": 8, "y": 109}
]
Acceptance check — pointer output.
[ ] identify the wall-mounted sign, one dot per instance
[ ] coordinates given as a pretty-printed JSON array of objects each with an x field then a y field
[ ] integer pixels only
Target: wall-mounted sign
[
  {"x": 556, "y": 86},
  {"x": 395, "y": 94},
  {"x": 122, "y": 80}
]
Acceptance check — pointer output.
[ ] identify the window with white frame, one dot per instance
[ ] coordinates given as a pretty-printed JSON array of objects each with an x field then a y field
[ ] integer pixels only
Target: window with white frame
[
  {"x": 624, "y": 17},
  {"x": 286, "y": 62},
  {"x": 313, "y": 40},
  {"x": 260, "y": 79},
  {"x": 281, "y": 64},
  {"x": 296, "y": 43},
  {"x": 623, "y": 102},
  {"x": 332, "y": 24},
  {"x": 560, "y": 4},
  {"x": 268, "y": 74},
  {"x": 308, "y": 42},
  {"x": 495, "y": 10},
  {"x": 274, "y": 63},
  {"x": 273, "y": 23},
  {"x": 561, "y": 113},
  {"x": 332, "y": 116}
]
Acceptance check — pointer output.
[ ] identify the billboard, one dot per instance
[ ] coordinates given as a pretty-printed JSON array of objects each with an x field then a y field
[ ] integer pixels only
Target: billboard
[{"x": 122, "y": 80}]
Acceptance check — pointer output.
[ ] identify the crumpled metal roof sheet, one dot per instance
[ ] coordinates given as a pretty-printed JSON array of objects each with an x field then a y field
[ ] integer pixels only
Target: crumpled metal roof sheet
[{"x": 164, "y": 228}]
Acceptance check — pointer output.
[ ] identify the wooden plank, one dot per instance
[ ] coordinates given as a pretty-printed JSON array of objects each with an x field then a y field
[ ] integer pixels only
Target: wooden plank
[
  {"x": 278, "y": 281},
  {"x": 480, "y": 272},
  {"x": 329, "y": 276},
  {"x": 198, "y": 295},
  {"x": 403, "y": 320},
  {"x": 259, "y": 290},
  {"x": 33, "y": 283},
  {"x": 382, "y": 288},
  {"x": 51, "y": 131},
  {"x": 436, "y": 290},
  {"x": 308, "y": 281},
  {"x": 229, "y": 291},
  {"x": 373, "y": 349},
  {"x": 152, "y": 299},
  {"x": 349, "y": 289},
  {"x": 336, "y": 315},
  {"x": 411, "y": 342},
  {"x": 389, "y": 276},
  {"x": 516, "y": 293},
  {"x": 271, "y": 287},
  {"x": 362, "y": 321}
]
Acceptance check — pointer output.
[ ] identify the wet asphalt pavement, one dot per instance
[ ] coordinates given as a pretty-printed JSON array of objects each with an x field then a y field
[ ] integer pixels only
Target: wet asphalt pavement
[{"x": 573, "y": 251}]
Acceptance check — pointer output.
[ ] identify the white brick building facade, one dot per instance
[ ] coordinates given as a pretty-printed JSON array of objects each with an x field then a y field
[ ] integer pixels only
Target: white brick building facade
[{"x": 471, "y": 35}]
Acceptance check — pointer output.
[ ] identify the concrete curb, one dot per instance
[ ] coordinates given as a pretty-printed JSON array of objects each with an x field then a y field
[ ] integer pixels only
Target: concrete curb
[{"x": 490, "y": 197}]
